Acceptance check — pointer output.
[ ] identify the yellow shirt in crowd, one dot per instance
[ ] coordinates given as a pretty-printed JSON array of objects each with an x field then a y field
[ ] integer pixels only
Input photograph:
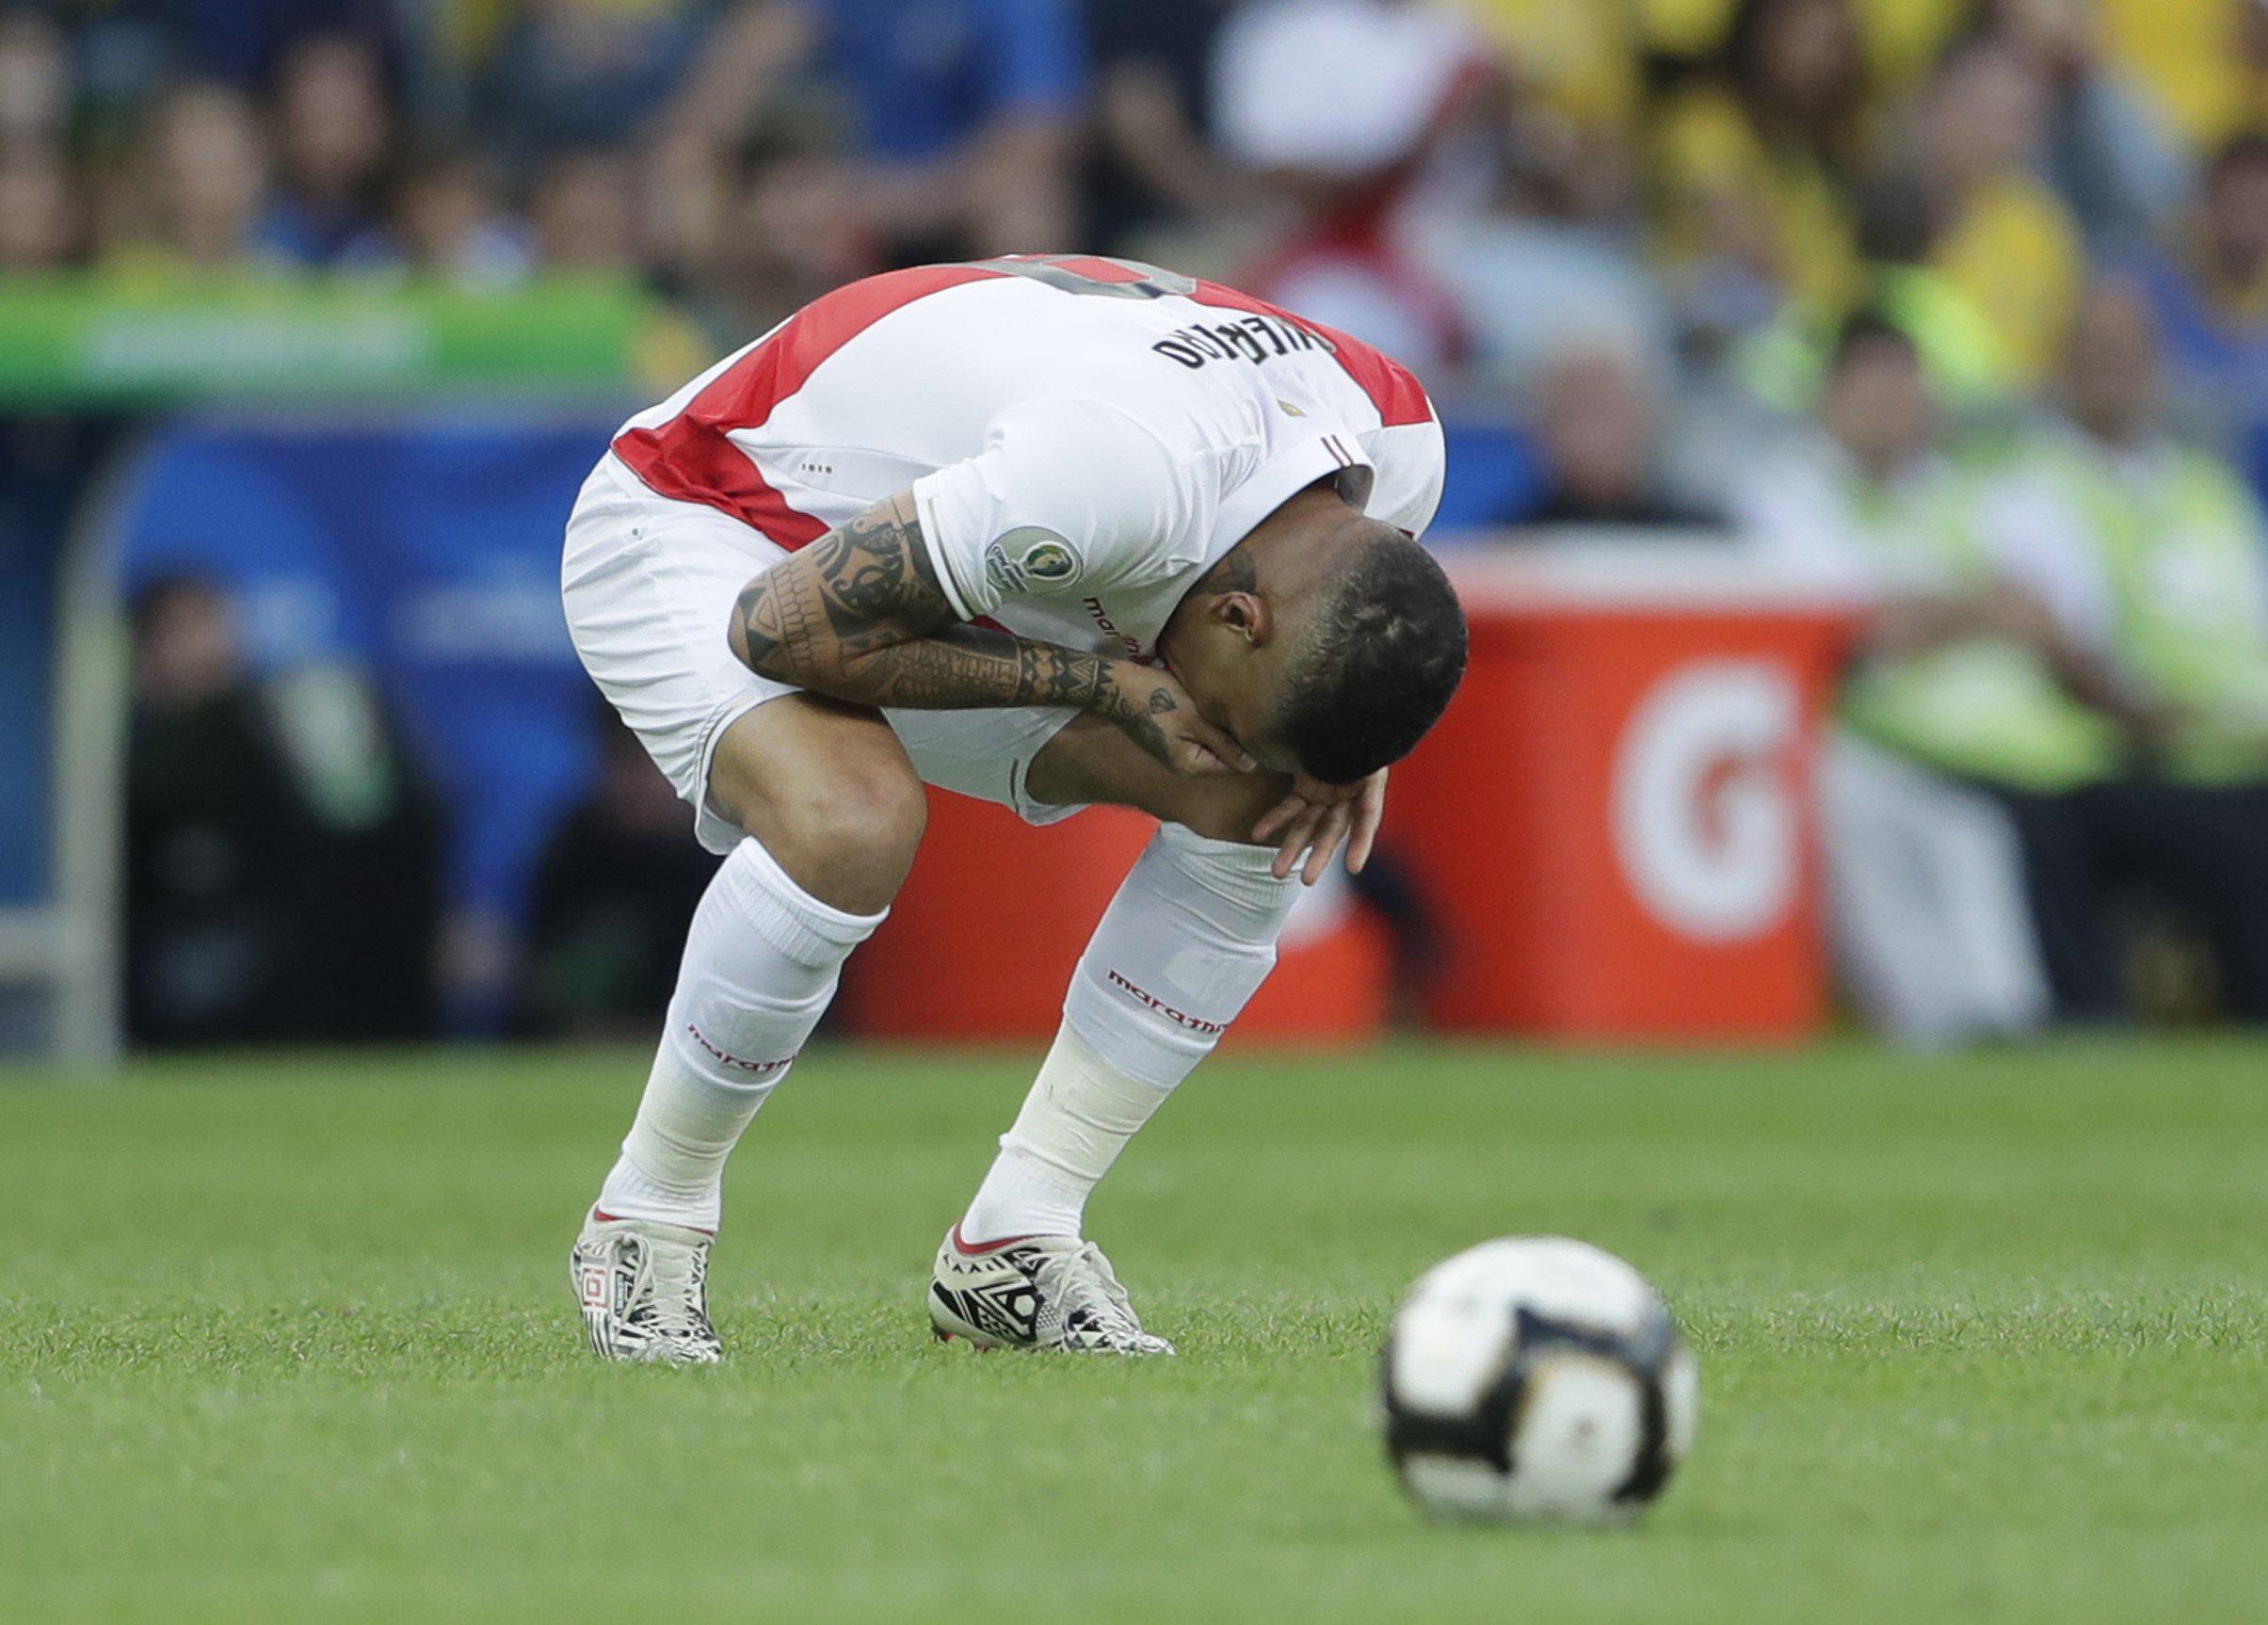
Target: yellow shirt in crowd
[
  {"x": 2015, "y": 250},
  {"x": 2185, "y": 52},
  {"x": 1585, "y": 58},
  {"x": 1716, "y": 175}
]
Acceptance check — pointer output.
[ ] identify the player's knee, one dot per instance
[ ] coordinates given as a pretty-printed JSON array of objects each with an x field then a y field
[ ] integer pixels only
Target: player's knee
[
  {"x": 1223, "y": 808},
  {"x": 828, "y": 791},
  {"x": 847, "y": 830}
]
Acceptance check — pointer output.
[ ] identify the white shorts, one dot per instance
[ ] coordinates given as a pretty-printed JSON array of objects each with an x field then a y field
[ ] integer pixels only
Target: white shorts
[{"x": 649, "y": 583}]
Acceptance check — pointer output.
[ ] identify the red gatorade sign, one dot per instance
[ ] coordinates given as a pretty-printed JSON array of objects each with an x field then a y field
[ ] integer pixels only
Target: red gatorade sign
[{"x": 1612, "y": 823}]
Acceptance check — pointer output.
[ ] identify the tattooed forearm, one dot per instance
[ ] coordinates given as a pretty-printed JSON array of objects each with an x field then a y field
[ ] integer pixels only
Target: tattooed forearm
[
  {"x": 876, "y": 572},
  {"x": 863, "y": 584},
  {"x": 860, "y": 615}
]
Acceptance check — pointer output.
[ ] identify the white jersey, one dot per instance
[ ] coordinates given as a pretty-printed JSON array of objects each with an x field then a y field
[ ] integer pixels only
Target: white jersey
[{"x": 1082, "y": 437}]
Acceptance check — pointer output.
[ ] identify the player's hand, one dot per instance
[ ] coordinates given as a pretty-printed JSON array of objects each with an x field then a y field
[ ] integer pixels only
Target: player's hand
[
  {"x": 1317, "y": 819},
  {"x": 1153, "y": 710}
]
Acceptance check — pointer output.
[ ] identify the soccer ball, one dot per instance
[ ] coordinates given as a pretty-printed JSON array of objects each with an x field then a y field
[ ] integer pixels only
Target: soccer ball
[{"x": 1536, "y": 1379}]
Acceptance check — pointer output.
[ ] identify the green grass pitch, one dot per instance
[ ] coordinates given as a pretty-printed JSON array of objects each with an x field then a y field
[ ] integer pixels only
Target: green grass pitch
[{"x": 290, "y": 1339}]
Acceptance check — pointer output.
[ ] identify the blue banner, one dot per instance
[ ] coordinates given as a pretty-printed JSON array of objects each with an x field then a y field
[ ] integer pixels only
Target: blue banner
[{"x": 426, "y": 551}]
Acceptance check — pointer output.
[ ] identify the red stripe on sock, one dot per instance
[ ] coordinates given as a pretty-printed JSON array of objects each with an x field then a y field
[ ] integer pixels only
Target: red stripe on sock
[{"x": 962, "y": 1246}]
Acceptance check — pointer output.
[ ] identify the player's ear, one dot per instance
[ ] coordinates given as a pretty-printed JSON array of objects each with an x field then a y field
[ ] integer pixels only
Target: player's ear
[{"x": 1246, "y": 614}]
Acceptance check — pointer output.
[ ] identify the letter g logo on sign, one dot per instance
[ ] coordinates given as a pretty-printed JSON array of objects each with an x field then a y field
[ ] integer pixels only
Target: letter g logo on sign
[{"x": 1704, "y": 821}]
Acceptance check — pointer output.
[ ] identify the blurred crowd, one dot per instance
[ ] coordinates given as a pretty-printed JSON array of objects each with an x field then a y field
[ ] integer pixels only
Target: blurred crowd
[
  {"x": 1962, "y": 304},
  {"x": 1628, "y": 229},
  {"x": 1474, "y": 183}
]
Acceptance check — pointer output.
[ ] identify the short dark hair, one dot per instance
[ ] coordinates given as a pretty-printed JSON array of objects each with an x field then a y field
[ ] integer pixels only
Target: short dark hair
[{"x": 1385, "y": 654}]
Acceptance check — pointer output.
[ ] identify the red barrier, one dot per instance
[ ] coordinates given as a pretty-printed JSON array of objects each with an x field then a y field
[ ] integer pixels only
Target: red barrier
[
  {"x": 984, "y": 933},
  {"x": 1613, "y": 822}
]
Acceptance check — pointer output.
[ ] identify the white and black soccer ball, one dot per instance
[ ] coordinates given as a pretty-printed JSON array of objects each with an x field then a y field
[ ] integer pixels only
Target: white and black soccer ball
[{"x": 1536, "y": 1379}]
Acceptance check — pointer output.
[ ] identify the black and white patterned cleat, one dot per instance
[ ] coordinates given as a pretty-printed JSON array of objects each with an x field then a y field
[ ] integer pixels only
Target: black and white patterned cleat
[
  {"x": 643, "y": 1287},
  {"x": 1035, "y": 1292}
]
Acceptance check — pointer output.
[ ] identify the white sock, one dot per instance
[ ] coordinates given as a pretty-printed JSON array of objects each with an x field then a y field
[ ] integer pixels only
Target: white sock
[
  {"x": 1080, "y": 1114},
  {"x": 759, "y": 967},
  {"x": 1188, "y": 940}
]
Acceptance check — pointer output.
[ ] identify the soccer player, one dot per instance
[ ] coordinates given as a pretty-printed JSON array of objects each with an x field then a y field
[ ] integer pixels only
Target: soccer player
[{"x": 1045, "y": 531}]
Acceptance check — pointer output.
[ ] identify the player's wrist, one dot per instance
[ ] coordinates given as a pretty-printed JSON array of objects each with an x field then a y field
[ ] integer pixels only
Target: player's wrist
[{"x": 1116, "y": 697}]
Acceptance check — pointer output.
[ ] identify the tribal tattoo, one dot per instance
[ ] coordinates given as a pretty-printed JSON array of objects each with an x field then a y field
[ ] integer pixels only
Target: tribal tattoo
[{"x": 860, "y": 615}]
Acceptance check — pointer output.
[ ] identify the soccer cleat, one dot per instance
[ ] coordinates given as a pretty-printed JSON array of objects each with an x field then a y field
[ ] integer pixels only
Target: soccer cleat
[
  {"x": 644, "y": 1289},
  {"x": 1035, "y": 1292}
]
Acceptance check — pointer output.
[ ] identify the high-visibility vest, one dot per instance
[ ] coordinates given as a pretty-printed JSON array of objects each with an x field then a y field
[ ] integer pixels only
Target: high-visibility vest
[
  {"x": 2184, "y": 554},
  {"x": 1986, "y": 709}
]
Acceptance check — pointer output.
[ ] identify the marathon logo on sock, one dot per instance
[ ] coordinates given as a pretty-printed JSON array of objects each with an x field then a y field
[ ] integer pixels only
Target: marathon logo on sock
[
  {"x": 1195, "y": 1024},
  {"x": 758, "y": 1068}
]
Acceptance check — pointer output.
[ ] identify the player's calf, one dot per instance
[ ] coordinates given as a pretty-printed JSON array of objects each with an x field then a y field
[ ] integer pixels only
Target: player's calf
[{"x": 834, "y": 813}]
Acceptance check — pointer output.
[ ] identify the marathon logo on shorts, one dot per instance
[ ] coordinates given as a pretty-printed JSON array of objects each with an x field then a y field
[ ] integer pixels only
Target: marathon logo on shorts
[
  {"x": 1030, "y": 559},
  {"x": 1195, "y": 1024},
  {"x": 758, "y": 1068},
  {"x": 1253, "y": 339}
]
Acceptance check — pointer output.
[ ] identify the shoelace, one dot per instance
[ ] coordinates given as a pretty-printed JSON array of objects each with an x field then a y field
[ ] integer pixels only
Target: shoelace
[
  {"x": 1090, "y": 1284},
  {"x": 672, "y": 1298}
]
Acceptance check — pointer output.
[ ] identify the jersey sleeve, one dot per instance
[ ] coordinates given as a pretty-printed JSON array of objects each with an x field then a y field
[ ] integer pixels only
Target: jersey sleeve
[
  {"x": 1411, "y": 461},
  {"x": 1066, "y": 498}
]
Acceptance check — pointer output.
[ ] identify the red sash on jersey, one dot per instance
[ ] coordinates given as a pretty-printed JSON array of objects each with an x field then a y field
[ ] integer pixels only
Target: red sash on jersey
[{"x": 692, "y": 457}]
